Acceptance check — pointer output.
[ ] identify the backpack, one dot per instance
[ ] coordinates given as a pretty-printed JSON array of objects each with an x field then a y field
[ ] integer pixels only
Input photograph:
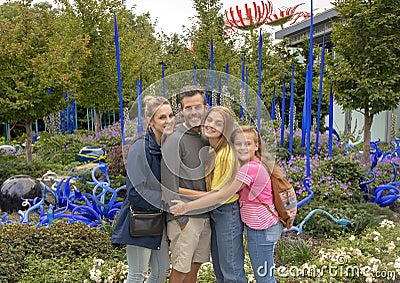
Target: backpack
[{"x": 285, "y": 201}]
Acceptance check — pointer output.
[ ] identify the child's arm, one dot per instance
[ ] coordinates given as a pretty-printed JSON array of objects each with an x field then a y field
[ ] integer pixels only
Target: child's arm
[
  {"x": 192, "y": 194},
  {"x": 208, "y": 200}
]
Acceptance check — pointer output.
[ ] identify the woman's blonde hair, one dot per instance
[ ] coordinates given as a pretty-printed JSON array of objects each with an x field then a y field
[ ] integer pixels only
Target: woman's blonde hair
[
  {"x": 151, "y": 105},
  {"x": 266, "y": 158}
]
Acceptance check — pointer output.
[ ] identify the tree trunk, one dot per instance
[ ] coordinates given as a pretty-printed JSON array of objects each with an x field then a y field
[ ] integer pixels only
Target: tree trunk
[
  {"x": 97, "y": 123},
  {"x": 96, "y": 116},
  {"x": 368, "y": 118},
  {"x": 9, "y": 128},
  {"x": 28, "y": 143},
  {"x": 251, "y": 40}
]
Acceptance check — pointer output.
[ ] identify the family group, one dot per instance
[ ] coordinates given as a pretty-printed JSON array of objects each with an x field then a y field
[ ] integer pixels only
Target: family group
[{"x": 210, "y": 178}]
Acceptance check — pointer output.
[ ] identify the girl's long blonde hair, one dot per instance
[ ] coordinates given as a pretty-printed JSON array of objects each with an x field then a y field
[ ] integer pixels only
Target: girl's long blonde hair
[
  {"x": 266, "y": 158},
  {"x": 229, "y": 125}
]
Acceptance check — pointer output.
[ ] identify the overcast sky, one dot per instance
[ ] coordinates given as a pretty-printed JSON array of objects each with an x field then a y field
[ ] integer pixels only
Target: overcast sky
[{"x": 172, "y": 14}]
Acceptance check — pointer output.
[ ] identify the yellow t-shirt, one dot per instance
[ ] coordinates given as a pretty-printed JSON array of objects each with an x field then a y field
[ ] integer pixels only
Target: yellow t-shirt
[{"x": 223, "y": 170}]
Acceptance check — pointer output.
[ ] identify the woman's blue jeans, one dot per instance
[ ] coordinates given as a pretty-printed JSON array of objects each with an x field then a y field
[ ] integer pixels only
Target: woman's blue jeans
[
  {"x": 227, "y": 250},
  {"x": 260, "y": 244},
  {"x": 139, "y": 259}
]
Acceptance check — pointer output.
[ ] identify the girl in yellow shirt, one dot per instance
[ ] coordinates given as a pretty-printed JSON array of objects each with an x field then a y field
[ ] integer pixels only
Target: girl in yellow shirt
[{"x": 227, "y": 250}]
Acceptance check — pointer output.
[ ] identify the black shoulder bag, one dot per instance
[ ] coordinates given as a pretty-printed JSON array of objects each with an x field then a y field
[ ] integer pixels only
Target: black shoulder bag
[{"x": 146, "y": 222}]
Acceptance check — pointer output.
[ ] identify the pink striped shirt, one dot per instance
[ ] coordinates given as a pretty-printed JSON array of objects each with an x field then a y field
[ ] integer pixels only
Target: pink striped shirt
[{"x": 254, "y": 214}]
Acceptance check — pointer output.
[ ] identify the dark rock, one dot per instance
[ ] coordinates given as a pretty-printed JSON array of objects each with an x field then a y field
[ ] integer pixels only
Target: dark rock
[{"x": 17, "y": 188}]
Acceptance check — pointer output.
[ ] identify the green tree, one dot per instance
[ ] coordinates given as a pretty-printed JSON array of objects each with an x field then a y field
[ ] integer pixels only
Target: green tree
[
  {"x": 98, "y": 88},
  {"x": 209, "y": 24},
  {"x": 139, "y": 53},
  {"x": 177, "y": 56},
  {"x": 37, "y": 53},
  {"x": 366, "y": 73}
]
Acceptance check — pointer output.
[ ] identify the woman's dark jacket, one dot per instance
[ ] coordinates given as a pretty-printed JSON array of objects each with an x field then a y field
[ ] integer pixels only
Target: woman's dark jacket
[{"x": 143, "y": 190}]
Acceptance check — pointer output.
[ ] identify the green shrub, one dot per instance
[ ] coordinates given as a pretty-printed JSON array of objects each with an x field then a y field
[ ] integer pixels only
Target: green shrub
[
  {"x": 56, "y": 269},
  {"x": 362, "y": 214},
  {"x": 61, "y": 149},
  {"x": 69, "y": 241},
  {"x": 293, "y": 250},
  {"x": 115, "y": 162},
  {"x": 372, "y": 256},
  {"x": 335, "y": 183},
  {"x": 111, "y": 267},
  {"x": 11, "y": 165}
]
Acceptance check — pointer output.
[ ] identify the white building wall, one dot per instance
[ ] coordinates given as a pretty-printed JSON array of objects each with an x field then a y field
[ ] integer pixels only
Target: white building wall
[{"x": 381, "y": 125}]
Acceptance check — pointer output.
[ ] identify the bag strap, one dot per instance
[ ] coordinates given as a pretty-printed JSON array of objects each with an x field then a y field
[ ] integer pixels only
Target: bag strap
[{"x": 267, "y": 206}]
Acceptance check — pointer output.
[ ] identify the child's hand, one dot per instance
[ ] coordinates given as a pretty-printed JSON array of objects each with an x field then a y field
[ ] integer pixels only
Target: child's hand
[{"x": 179, "y": 208}]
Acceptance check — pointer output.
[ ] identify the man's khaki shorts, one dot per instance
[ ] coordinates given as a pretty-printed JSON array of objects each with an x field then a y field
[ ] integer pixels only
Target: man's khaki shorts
[{"x": 190, "y": 245}]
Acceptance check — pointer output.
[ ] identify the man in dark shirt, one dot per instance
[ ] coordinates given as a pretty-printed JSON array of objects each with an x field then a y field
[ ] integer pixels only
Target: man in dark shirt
[{"x": 183, "y": 165}]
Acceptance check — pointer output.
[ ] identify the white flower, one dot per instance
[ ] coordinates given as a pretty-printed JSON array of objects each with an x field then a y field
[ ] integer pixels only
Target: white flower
[
  {"x": 387, "y": 223},
  {"x": 374, "y": 260},
  {"x": 352, "y": 238},
  {"x": 357, "y": 253},
  {"x": 98, "y": 261},
  {"x": 391, "y": 246},
  {"x": 368, "y": 279},
  {"x": 94, "y": 275},
  {"x": 397, "y": 263},
  {"x": 323, "y": 257},
  {"x": 377, "y": 235}
]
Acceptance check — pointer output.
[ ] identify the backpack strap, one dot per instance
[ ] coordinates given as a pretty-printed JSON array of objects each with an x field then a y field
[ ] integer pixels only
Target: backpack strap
[{"x": 267, "y": 206}]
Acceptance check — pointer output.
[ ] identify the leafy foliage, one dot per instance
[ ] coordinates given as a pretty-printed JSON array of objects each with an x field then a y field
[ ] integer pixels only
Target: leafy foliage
[
  {"x": 116, "y": 163},
  {"x": 335, "y": 183},
  {"x": 67, "y": 241},
  {"x": 139, "y": 52},
  {"x": 37, "y": 54},
  {"x": 16, "y": 165},
  {"x": 372, "y": 256},
  {"x": 63, "y": 149},
  {"x": 366, "y": 72},
  {"x": 295, "y": 250}
]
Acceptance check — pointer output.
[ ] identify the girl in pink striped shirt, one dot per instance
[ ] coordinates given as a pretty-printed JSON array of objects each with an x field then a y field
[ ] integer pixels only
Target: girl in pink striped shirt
[
  {"x": 253, "y": 181},
  {"x": 263, "y": 228}
]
